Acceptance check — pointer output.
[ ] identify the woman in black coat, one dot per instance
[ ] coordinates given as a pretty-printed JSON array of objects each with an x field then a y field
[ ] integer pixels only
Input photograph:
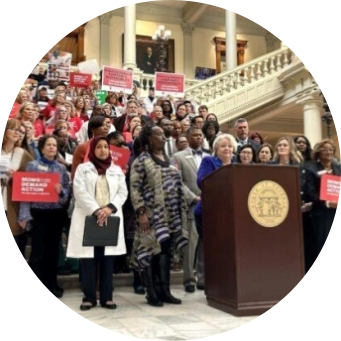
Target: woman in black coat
[
  {"x": 323, "y": 212},
  {"x": 287, "y": 154}
]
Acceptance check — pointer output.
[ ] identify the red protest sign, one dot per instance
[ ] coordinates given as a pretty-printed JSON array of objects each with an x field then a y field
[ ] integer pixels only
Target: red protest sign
[
  {"x": 80, "y": 80},
  {"x": 169, "y": 84},
  {"x": 330, "y": 187},
  {"x": 120, "y": 156},
  {"x": 117, "y": 80},
  {"x": 35, "y": 187}
]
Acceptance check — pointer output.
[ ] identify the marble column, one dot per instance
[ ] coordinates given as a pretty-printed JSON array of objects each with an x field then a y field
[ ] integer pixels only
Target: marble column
[
  {"x": 129, "y": 37},
  {"x": 104, "y": 52},
  {"x": 188, "y": 49},
  {"x": 231, "y": 40},
  {"x": 312, "y": 109}
]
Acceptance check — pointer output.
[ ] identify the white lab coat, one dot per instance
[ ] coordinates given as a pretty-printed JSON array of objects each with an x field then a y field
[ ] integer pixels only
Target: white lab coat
[{"x": 84, "y": 186}]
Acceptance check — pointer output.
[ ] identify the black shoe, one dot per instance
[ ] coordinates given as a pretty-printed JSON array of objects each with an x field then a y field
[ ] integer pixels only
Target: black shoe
[
  {"x": 200, "y": 287},
  {"x": 57, "y": 293},
  {"x": 138, "y": 283},
  {"x": 109, "y": 306},
  {"x": 87, "y": 306},
  {"x": 139, "y": 290},
  {"x": 190, "y": 288},
  {"x": 154, "y": 301}
]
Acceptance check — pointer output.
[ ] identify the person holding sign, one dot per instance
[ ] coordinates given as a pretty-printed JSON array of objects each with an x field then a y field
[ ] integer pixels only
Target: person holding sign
[
  {"x": 13, "y": 158},
  {"x": 100, "y": 189},
  {"x": 46, "y": 218},
  {"x": 323, "y": 212}
]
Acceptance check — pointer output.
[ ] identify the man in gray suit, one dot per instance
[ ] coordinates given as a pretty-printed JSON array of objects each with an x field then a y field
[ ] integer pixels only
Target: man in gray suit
[{"x": 188, "y": 162}]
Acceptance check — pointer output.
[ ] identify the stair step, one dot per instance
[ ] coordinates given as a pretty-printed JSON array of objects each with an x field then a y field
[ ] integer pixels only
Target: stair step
[{"x": 120, "y": 280}]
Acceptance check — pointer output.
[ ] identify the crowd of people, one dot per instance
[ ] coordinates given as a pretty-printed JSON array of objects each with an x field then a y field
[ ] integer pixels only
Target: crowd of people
[{"x": 173, "y": 145}]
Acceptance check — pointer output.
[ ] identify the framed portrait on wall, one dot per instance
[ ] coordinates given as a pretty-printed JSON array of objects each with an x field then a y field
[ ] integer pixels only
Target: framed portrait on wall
[
  {"x": 152, "y": 56},
  {"x": 204, "y": 72}
]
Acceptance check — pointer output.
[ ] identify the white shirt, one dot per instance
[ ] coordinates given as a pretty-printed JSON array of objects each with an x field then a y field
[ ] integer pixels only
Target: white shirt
[{"x": 197, "y": 158}]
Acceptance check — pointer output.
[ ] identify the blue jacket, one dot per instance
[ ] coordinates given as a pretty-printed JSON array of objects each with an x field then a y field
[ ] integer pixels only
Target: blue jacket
[{"x": 208, "y": 165}]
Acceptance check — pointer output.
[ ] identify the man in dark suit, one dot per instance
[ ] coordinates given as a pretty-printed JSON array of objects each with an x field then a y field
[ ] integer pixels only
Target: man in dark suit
[
  {"x": 241, "y": 128},
  {"x": 170, "y": 145},
  {"x": 149, "y": 61},
  {"x": 132, "y": 109},
  {"x": 187, "y": 162}
]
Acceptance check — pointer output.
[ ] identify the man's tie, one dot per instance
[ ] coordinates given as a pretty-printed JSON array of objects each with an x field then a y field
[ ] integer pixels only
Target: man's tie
[
  {"x": 197, "y": 152},
  {"x": 169, "y": 148}
]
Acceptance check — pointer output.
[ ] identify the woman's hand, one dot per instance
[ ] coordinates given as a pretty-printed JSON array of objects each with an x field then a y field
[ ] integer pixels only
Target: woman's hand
[
  {"x": 22, "y": 224},
  {"x": 9, "y": 173},
  {"x": 144, "y": 223},
  {"x": 306, "y": 207},
  {"x": 333, "y": 204},
  {"x": 58, "y": 188},
  {"x": 102, "y": 215}
]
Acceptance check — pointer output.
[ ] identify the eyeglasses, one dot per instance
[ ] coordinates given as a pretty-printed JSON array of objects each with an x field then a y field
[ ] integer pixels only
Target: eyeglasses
[
  {"x": 246, "y": 153},
  {"x": 327, "y": 150},
  {"x": 15, "y": 130}
]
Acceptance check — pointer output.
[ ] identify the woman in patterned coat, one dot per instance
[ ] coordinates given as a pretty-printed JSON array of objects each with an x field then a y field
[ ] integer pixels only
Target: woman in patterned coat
[{"x": 158, "y": 199}]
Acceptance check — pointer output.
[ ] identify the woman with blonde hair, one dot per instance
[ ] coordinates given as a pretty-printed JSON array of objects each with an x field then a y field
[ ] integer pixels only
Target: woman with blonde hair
[
  {"x": 26, "y": 112},
  {"x": 22, "y": 97},
  {"x": 74, "y": 120},
  {"x": 58, "y": 100},
  {"x": 185, "y": 124},
  {"x": 17, "y": 161},
  {"x": 286, "y": 152}
]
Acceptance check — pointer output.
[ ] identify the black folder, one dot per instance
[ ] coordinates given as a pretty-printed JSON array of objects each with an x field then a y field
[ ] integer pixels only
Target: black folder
[{"x": 106, "y": 235}]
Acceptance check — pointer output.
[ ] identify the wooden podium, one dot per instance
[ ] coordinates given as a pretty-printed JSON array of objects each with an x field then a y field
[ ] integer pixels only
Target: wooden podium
[{"x": 250, "y": 267}]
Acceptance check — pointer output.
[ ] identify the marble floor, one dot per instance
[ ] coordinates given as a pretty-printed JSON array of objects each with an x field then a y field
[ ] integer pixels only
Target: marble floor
[{"x": 193, "y": 319}]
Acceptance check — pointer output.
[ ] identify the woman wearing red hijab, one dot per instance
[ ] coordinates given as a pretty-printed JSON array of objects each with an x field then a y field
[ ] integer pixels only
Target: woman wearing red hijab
[{"x": 100, "y": 189}]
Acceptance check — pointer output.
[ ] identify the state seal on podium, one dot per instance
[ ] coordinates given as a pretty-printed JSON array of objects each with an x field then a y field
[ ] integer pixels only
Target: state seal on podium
[{"x": 268, "y": 203}]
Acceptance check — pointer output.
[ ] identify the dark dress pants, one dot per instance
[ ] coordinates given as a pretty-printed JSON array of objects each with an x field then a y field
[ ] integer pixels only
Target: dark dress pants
[
  {"x": 47, "y": 226},
  {"x": 322, "y": 221},
  {"x": 21, "y": 240},
  {"x": 91, "y": 268}
]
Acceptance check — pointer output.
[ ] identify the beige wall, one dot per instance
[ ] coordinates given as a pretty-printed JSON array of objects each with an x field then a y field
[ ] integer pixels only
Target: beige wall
[
  {"x": 204, "y": 47},
  {"x": 92, "y": 39}
]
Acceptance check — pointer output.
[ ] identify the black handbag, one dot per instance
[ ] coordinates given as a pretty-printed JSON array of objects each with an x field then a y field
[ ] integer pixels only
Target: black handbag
[{"x": 106, "y": 235}]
